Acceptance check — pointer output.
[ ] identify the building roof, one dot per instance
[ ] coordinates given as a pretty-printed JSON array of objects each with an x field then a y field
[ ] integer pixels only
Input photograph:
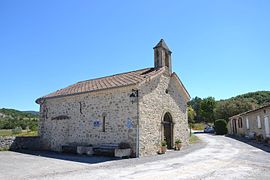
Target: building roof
[
  {"x": 162, "y": 43},
  {"x": 114, "y": 81},
  {"x": 247, "y": 112}
]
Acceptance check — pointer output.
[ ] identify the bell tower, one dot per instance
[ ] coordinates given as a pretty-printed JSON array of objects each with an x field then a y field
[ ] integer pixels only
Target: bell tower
[{"x": 162, "y": 56}]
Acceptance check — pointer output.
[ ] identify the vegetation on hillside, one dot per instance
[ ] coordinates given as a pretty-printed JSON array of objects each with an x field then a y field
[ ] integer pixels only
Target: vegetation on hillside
[
  {"x": 207, "y": 109},
  {"x": 11, "y": 118}
]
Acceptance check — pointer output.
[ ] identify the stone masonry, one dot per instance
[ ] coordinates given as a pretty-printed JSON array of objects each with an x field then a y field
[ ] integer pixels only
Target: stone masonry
[{"x": 107, "y": 110}]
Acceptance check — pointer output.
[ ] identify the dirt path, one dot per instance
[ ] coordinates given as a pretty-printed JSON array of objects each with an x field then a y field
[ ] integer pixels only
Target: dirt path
[
  {"x": 218, "y": 157},
  {"x": 221, "y": 158}
]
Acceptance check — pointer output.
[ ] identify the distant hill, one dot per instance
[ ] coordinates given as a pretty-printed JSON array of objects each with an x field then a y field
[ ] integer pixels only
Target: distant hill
[
  {"x": 36, "y": 113},
  {"x": 13, "y": 113},
  {"x": 260, "y": 97},
  {"x": 241, "y": 103},
  {"x": 11, "y": 118}
]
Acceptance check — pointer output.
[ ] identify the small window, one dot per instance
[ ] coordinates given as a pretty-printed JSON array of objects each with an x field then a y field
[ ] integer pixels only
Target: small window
[
  {"x": 264, "y": 111},
  {"x": 167, "y": 59},
  {"x": 247, "y": 122},
  {"x": 240, "y": 123},
  {"x": 259, "y": 122},
  {"x": 103, "y": 123}
]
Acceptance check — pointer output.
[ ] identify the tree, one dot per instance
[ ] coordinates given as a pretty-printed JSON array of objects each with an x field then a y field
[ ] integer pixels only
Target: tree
[
  {"x": 207, "y": 109},
  {"x": 191, "y": 116},
  {"x": 231, "y": 107},
  {"x": 195, "y": 103}
]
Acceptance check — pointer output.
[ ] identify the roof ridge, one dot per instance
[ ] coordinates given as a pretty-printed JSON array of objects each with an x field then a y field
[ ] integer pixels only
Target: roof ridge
[{"x": 113, "y": 75}]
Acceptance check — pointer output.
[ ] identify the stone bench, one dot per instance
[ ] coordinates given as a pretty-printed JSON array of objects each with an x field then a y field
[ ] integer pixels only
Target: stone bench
[
  {"x": 71, "y": 149},
  {"x": 106, "y": 149},
  {"x": 88, "y": 150}
]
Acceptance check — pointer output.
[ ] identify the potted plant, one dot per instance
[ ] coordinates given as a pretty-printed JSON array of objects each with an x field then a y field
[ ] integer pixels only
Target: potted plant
[
  {"x": 259, "y": 138},
  {"x": 163, "y": 147},
  {"x": 267, "y": 140},
  {"x": 178, "y": 144}
]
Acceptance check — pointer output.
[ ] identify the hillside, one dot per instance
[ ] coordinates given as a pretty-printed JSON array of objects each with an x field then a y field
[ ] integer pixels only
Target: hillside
[
  {"x": 36, "y": 113},
  {"x": 223, "y": 109},
  {"x": 11, "y": 118},
  {"x": 241, "y": 103},
  {"x": 260, "y": 97}
]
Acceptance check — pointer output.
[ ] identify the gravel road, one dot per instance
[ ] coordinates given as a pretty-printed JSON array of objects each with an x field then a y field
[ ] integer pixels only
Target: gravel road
[{"x": 216, "y": 157}]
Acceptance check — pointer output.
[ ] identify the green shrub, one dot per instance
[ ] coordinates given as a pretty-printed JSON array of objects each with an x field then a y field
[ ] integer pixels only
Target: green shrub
[
  {"x": 163, "y": 143},
  {"x": 17, "y": 130},
  {"x": 221, "y": 127},
  {"x": 178, "y": 141},
  {"x": 33, "y": 127}
]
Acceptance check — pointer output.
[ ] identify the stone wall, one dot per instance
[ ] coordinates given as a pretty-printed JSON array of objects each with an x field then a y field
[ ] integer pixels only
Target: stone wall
[
  {"x": 74, "y": 119},
  {"x": 154, "y": 103},
  {"x": 17, "y": 143},
  {"x": 6, "y": 142},
  {"x": 78, "y": 119},
  {"x": 253, "y": 124}
]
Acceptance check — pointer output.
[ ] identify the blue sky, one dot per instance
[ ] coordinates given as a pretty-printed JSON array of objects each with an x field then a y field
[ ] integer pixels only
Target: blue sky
[{"x": 220, "y": 48}]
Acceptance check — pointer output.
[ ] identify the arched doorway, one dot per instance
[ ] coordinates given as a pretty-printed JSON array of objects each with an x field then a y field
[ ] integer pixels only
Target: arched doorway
[{"x": 168, "y": 129}]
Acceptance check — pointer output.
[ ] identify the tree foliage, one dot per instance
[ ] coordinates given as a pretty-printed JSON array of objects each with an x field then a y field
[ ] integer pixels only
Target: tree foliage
[
  {"x": 231, "y": 107},
  {"x": 223, "y": 109},
  {"x": 195, "y": 103},
  {"x": 207, "y": 109},
  {"x": 191, "y": 115}
]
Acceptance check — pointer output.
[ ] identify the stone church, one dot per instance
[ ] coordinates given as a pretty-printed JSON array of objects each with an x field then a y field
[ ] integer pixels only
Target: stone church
[{"x": 141, "y": 107}]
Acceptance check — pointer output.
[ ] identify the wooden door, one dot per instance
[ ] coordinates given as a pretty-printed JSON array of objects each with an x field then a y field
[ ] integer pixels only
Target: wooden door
[{"x": 168, "y": 134}]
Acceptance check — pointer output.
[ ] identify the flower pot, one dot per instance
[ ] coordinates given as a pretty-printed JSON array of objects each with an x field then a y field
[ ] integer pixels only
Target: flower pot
[
  {"x": 178, "y": 146},
  {"x": 163, "y": 149},
  {"x": 89, "y": 150},
  {"x": 80, "y": 150},
  {"x": 85, "y": 150}
]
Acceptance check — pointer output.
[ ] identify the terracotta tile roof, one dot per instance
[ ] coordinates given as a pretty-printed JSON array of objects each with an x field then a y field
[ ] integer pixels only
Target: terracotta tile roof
[{"x": 117, "y": 80}]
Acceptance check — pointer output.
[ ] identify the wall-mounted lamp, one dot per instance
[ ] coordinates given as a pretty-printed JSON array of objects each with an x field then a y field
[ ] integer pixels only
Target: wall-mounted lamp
[{"x": 134, "y": 95}]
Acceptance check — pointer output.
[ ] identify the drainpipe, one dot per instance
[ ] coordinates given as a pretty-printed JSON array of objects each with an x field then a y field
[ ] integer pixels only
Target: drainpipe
[{"x": 138, "y": 127}]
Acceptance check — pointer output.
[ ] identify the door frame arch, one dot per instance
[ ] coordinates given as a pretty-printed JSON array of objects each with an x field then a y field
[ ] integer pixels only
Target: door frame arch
[{"x": 171, "y": 126}]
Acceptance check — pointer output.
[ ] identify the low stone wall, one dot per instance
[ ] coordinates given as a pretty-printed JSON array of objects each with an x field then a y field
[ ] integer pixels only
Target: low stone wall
[
  {"x": 6, "y": 142},
  {"x": 20, "y": 142}
]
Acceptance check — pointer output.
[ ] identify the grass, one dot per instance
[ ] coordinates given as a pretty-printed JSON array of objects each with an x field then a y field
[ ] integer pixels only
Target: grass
[
  {"x": 4, "y": 149},
  {"x": 8, "y": 132},
  {"x": 193, "y": 139}
]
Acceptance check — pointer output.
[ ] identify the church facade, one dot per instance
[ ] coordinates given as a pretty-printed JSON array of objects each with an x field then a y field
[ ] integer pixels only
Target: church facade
[{"x": 142, "y": 108}]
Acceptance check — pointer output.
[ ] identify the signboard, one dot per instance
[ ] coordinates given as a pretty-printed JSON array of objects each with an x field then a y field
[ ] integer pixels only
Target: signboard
[
  {"x": 96, "y": 123},
  {"x": 129, "y": 124}
]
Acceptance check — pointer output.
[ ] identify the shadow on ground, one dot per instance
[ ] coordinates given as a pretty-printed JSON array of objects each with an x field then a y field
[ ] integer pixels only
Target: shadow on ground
[
  {"x": 69, "y": 157},
  {"x": 201, "y": 132},
  {"x": 263, "y": 146}
]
